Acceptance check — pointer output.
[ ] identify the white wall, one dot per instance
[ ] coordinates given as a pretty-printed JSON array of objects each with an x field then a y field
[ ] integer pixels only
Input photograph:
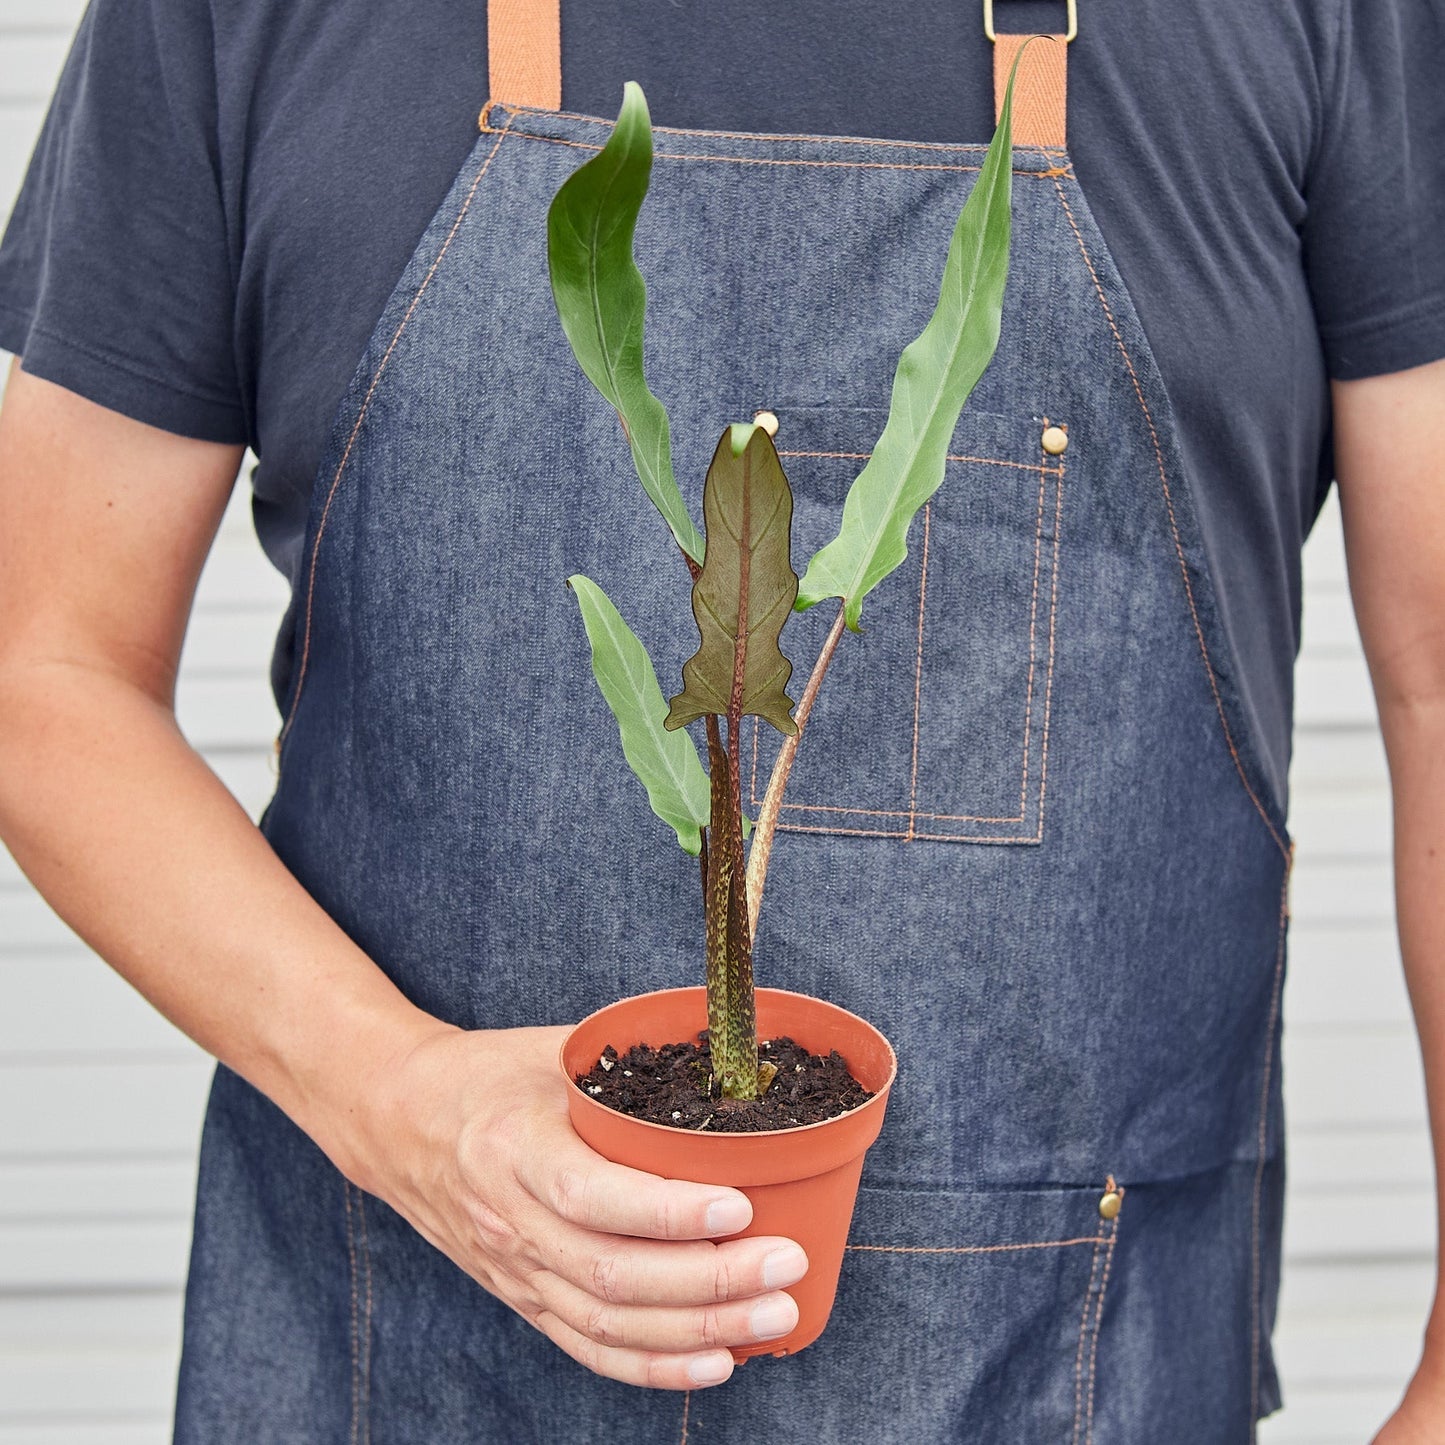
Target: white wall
[{"x": 100, "y": 1099}]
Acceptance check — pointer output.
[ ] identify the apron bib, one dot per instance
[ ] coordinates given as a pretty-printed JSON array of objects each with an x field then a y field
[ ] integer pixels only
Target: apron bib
[{"x": 1028, "y": 835}]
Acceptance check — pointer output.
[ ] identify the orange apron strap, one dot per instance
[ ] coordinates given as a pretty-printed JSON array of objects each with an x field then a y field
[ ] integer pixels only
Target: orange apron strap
[
  {"x": 524, "y": 52},
  {"x": 524, "y": 47},
  {"x": 1039, "y": 92}
]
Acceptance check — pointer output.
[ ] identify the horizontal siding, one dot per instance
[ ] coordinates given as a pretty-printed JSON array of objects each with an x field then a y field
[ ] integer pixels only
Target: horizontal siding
[
  {"x": 69, "y": 1108},
  {"x": 43, "y": 17},
  {"x": 29, "y": 62},
  {"x": 91, "y": 1190},
  {"x": 19, "y": 126},
  {"x": 88, "y": 1369},
  {"x": 34, "y": 36},
  {"x": 101, "y": 1099}
]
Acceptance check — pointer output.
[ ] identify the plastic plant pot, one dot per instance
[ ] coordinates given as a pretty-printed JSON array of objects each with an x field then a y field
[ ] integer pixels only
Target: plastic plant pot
[{"x": 802, "y": 1182}]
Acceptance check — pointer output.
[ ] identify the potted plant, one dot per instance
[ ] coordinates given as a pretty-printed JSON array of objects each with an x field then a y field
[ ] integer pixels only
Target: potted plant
[{"x": 652, "y": 1088}]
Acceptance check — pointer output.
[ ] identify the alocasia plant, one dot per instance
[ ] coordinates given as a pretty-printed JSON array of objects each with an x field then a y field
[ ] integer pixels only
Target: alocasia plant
[{"x": 743, "y": 582}]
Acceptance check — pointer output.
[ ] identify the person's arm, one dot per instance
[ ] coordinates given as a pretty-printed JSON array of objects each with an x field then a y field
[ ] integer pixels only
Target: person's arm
[
  {"x": 104, "y": 526},
  {"x": 1390, "y": 467}
]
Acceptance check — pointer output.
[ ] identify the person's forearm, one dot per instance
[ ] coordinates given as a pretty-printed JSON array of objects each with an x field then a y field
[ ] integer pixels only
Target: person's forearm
[
  {"x": 139, "y": 846},
  {"x": 1415, "y": 739}
]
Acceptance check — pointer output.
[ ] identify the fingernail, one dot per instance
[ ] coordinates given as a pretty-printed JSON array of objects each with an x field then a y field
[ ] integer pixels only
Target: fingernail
[
  {"x": 710, "y": 1369},
  {"x": 773, "y": 1317},
  {"x": 727, "y": 1216},
  {"x": 784, "y": 1266}
]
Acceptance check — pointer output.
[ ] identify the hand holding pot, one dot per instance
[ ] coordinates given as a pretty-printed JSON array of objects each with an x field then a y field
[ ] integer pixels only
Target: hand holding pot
[{"x": 473, "y": 1145}]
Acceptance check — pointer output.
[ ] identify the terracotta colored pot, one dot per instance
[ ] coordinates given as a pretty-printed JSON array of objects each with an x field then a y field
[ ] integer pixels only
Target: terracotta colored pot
[{"x": 802, "y": 1182}]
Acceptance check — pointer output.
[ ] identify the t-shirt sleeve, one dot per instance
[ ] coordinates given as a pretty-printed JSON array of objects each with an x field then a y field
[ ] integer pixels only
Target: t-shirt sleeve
[
  {"x": 1374, "y": 236},
  {"x": 115, "y": 269}
]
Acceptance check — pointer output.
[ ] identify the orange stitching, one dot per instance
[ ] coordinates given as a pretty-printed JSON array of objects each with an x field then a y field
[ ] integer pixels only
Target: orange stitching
[
  {"x": 686, "y": 1405},
  {"x": 355, "y": 1349},
  {"x": 759, "y": 135},
  {"x": 1033, "y": 621},
  {"x": 915, "y": 838},
  {"x": 361, "y": 416},
  {"x": 1083, "y": 1333},
  {"x": 1098, "y": 1322},
  {"x": 912, "y": 813},
  {"x": 1049, "y": 682},
  {"x": 918, "y": 671},
  {"x": 1173, "y": 525},
  {"x": 1255, "y": 1272},
  {"x": 895, "y": 813},
  {"x": 949, "y": 457},
  {"x": 970, "y": 1248},
  {"x": 772, "y": 161},
  {"x": 366, "y": 1323}
]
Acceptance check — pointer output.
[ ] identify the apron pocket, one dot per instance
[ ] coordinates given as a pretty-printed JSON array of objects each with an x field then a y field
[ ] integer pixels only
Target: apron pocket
[
  {"x": 979, "y": 1313},
  {"x": 933, "y": 723}
]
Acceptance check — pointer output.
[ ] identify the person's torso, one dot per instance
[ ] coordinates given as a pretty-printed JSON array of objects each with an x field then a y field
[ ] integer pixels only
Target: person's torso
[
  {"x": 1028, "y": 837},
  {"x": 340, "y": 130}
]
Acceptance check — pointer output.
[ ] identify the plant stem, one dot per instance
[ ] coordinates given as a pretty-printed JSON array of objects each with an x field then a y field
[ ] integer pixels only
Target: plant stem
[
  {"x": 762, "y": 843},
  {"x": 732, "y": 1030},
  {"x": 735, "y": 774},
  {"x": 731, "y": 1008}
]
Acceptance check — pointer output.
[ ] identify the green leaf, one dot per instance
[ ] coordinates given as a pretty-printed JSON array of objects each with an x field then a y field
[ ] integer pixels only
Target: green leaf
[
  {"x": 935, "y": 375},
  {"x": 666, "y": 763},
  {"x": 601, "y": 298},
  {"x": 745, "y": 590}
]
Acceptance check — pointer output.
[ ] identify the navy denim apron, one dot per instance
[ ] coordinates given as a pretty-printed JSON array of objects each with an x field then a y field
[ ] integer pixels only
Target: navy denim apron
[{"x": 1028, "y": 835}]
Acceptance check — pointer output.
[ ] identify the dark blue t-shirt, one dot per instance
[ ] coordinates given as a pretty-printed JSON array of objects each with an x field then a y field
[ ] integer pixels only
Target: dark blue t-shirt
[{"x": 224, "y": 194}]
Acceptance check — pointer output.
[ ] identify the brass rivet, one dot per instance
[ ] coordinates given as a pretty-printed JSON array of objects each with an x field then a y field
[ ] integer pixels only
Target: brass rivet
[
  {"x": 767, "y": 421},
  {"x": 1109, "y": 1203},
  {"x": 1055, "y": 439}
]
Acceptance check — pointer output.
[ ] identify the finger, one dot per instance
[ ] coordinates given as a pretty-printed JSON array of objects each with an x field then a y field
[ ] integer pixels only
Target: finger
[
  {"x": 617, "y": 1270},
  {"x": 669, "y": 1329},
  {"x": 585, "y": 1189},
  {"x": 652, "y": 1369}
]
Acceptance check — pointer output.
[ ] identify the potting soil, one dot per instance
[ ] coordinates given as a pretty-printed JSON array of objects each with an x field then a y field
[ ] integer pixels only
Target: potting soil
[{"x": 674, "y": 1085}]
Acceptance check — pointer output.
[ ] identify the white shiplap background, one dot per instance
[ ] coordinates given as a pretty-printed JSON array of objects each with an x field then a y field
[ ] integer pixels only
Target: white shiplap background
[{"x": 101, "y": 1099}]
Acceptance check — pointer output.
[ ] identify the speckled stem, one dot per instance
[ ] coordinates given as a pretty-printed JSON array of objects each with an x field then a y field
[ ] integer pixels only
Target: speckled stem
[{"x": 732, "y": 1028}]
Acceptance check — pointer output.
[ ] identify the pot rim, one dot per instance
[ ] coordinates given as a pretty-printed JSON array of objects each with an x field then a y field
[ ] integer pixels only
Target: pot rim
[{"x": 879, "y": 1098}]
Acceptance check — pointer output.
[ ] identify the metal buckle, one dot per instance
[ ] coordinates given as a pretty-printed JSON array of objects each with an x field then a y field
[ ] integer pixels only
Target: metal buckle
[{"x": 1073, "y": 20}]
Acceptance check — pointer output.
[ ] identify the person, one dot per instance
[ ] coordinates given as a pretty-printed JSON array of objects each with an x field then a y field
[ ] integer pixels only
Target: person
[{"x": 1055, "y": 874}]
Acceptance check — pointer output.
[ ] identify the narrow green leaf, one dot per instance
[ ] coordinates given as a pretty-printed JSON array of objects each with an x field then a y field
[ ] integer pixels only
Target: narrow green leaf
[
  {"x": 935, "y": 375},
  {"x": 665, "y": 762},
  {"x": 601, "y": 298},
  {"x": 745, "y": 590}
]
